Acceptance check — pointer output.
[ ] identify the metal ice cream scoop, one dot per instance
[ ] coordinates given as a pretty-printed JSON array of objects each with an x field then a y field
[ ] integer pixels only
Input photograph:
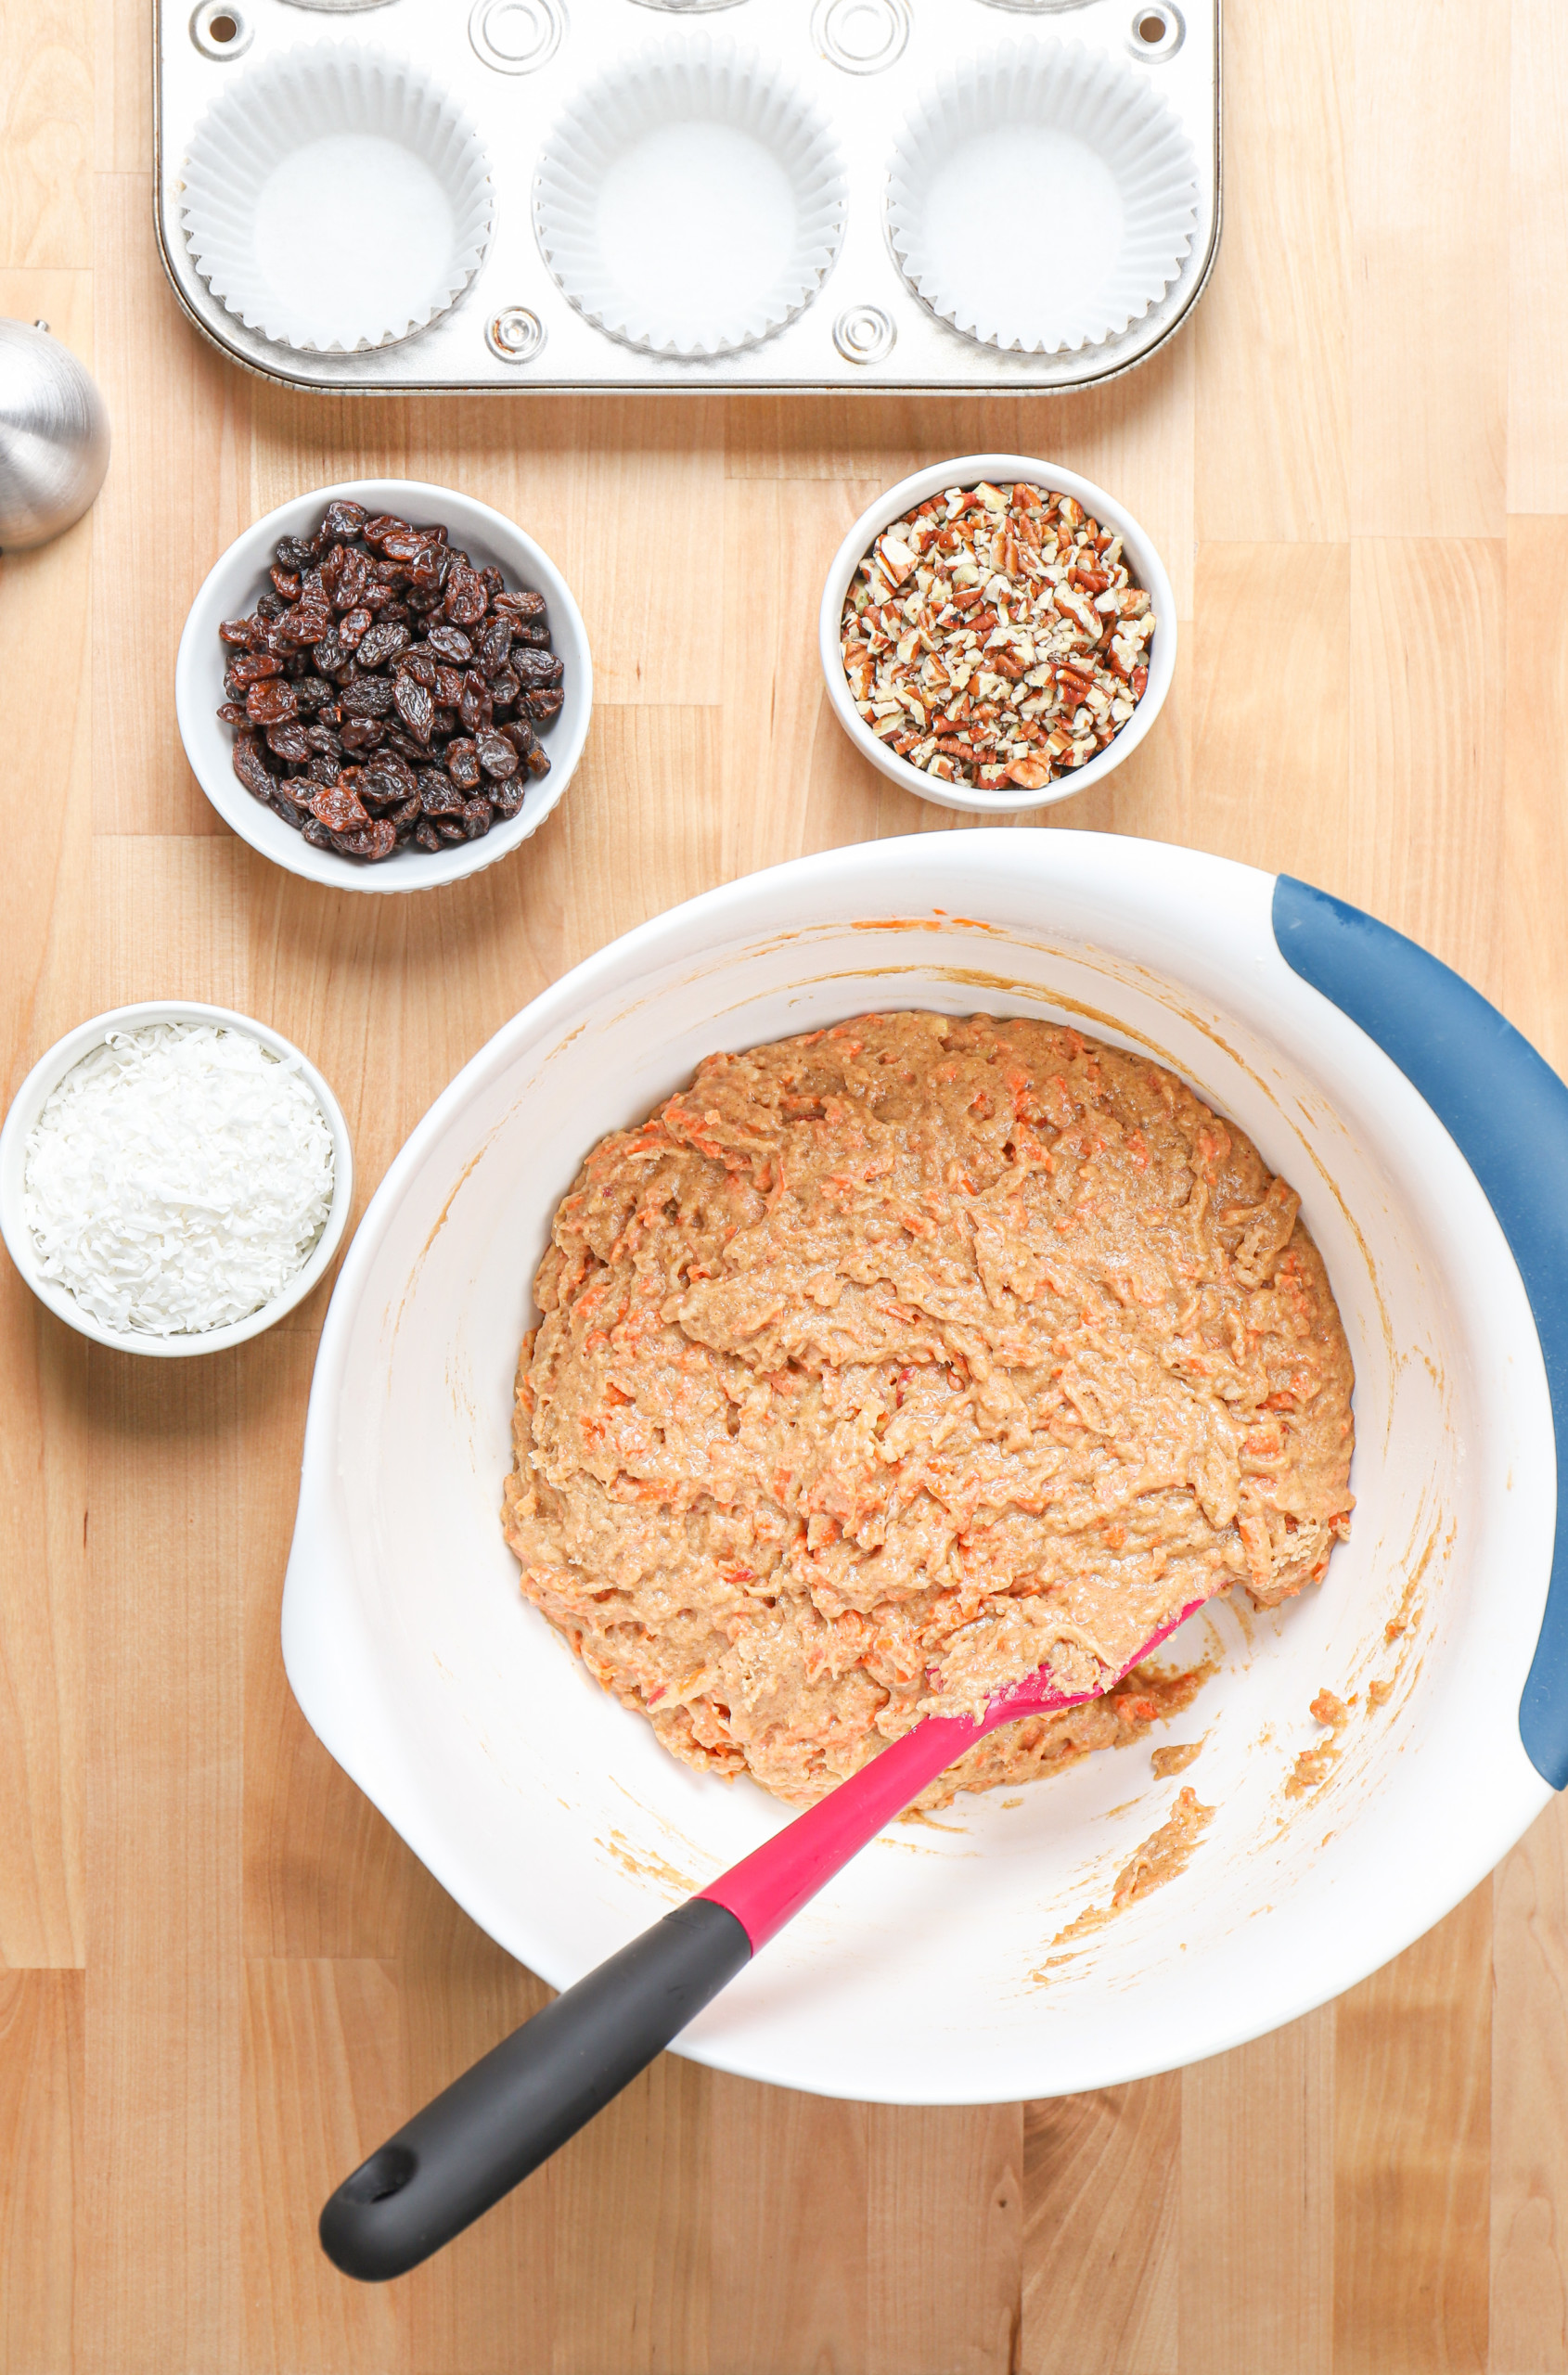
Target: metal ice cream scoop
[{"x": 54, "y": 436}]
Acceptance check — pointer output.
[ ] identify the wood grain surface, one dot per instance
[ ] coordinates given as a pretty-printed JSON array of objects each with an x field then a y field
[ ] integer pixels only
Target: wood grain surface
[{"x": 220, "y": 1976}]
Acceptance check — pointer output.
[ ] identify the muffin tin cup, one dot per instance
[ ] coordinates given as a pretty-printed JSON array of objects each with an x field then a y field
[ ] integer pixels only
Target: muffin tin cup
[
  {"x": 1113, "y": 198},
  {"x": 336, "y": 201},
  {"x": 692, "y": 203}
]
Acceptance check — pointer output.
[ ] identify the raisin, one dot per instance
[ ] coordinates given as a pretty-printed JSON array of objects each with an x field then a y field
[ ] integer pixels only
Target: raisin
[
  {"x": 272, "y": 702},
  {"x": 493, "y": 581},
  {"x": 331, "y": 713},
  {"x": 496, "y": 755},
  {"x": 408, "y": 812},
  {"x": 369, "y": 697},
  {"x": 539, "y": 637},
  {"x": 451, "y": 831},
  {"x": 461, "y": 762},
  {"x": 504, "y": 688},
  {"x": 407, "y": 748},
  {"x": 353, "y": 579},
  {"x": 249, "y": 668},
  {"x": 542, "y": 707},
  {"x": 466, "y": 598},
  {"x": 414, "y": 706},
  {"x": 536, "y": 668},
  {"x": 420, "y": 666},
  {"x": 232, "y": 714},
  {"x": 450, "y": 644},
  {"x": 478, "y": 817},
  {"x": 494, "y": 648},
  {"x": 322, "y": 738},
  {"x": 509, "y": 797},
  {"x": 438, "y": 795},
  {"x": 291, "y": 814},
  {"x": 338, "y": 806},
  {"x": 317, "y": 835},
  {"x": 306, "y": 623},
  {"x": 402, "y": 544},
  {"x": 388, "y": 777},
  {"x": 330, "y": 653},
  {"x": 427, "y": 571},
  {"x": 288, "y": 742},
  {"x": 448, "y": 687},
  {"x": 243, "y": 633},
  {"x": 326, "y": 769},
  {"x": 521, "y": 605},
  {"x": 476, "y": 708},
  {"x": 310, "y": 692},
  {"x": 428, "y": 837},
  {"x": 353, "y": 624},
  {"x": 344, "y": 519},
  {"x": 294, "y": 552},
  {"x": 375, "y": 532},
  {"x": 520, "y": 734},
  {"x": 250, "y": 767},
  {"x": 363, "y": 734},
  {"x": 537, "y": 761},
  {"x": 377, "y": 840},
  {"x": 285, "y": 581},
  {"x": 380, "y": 644},
  {"x": 269, "y": 607}
]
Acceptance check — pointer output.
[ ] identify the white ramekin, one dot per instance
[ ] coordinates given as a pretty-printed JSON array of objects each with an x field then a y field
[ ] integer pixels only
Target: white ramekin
[
  {"x": 29, "y": 1103},
  {"x": 231, "y": 588},
  {"x": 998, "y": 469}
]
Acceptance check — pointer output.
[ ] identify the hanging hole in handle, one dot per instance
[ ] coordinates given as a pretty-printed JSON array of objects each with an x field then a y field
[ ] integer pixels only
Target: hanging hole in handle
[
  {"x": 385, "y": 2173},
  {"x": 220, "y": 29},
  {"x": 1155, "y": 31}
]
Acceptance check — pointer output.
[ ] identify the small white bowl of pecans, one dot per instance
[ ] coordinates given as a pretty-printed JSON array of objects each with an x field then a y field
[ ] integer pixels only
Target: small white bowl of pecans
[{"x": 997, "y": 634}]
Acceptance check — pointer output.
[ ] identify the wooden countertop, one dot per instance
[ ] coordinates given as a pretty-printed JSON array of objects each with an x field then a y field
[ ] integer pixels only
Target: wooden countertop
[{"x": 221, "y": 1975}]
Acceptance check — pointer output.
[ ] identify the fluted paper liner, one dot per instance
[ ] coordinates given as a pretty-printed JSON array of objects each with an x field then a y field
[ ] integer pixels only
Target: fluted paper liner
[
  {"x": 334, "y": 200},
  {"x": 1042, "y": 199},
  {"x": 689, "y": 203}
]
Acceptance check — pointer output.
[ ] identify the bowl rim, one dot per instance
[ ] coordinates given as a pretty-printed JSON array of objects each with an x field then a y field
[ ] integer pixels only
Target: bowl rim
[
  {"x": 27, "y": 1102},
  {"x": 406, "y": 871},
  {"x": 968, "y": 469}
]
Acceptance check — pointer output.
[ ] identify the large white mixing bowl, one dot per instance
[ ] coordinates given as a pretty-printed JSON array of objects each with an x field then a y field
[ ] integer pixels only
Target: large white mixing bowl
[{"x": 920, "y": 1975}]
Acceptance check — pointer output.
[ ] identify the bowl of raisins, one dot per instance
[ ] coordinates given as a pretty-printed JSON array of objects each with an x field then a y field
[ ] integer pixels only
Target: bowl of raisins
[{"x": 385, "y": 686}]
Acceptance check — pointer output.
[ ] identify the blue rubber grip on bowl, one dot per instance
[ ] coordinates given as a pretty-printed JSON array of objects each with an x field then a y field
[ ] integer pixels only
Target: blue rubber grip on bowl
[{"x": 1507, "y": 1112}]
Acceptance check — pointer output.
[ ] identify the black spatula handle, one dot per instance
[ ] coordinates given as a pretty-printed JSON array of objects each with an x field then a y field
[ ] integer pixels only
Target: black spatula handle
[{"x": 511, "y": 2110}]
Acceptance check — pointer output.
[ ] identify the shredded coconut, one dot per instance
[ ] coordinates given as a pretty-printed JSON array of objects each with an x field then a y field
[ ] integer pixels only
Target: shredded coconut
[{"x": 177, "y": 1178}]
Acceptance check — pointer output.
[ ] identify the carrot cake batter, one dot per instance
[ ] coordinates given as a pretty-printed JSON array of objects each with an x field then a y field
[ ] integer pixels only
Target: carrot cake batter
[{"x": 882, "y": 1365}]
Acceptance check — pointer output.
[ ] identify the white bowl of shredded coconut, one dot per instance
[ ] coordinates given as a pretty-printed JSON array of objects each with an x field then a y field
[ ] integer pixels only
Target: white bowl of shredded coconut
[{"x": 173, "y": 1178}]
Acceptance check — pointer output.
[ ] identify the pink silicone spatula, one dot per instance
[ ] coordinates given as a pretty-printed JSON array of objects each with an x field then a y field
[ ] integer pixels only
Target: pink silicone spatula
[{"x": 494, "y": 2124}]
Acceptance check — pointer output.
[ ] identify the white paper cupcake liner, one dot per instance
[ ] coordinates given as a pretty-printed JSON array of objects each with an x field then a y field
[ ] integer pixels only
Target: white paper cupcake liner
[
  {"x": 335, "y": 201},
  {"x": 689, "y": 204},
  {"x": 1042, "y": 199}
]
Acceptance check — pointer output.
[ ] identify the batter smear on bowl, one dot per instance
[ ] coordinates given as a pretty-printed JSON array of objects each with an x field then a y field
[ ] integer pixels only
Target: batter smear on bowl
[{"x": 882, "y": 1365}]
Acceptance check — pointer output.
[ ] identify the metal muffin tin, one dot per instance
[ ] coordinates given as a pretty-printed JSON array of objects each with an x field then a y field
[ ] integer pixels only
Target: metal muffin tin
[{"x": 514, "y": 63}]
